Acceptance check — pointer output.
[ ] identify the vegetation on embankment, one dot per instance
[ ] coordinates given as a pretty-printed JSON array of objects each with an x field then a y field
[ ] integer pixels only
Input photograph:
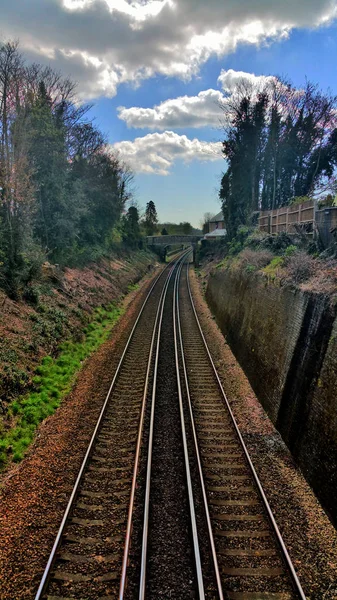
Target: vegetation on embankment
[
  {"x": 279, "y": 260},
  {"x": 43, "y": 343},
  {"x": 277, "y": 304},
  {"x": 66, "y": 197},
  {"x": 52, "y": 381},
  {"x": 63, "y": 191}
]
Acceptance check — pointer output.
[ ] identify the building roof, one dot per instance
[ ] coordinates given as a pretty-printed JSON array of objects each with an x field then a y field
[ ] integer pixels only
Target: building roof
[
  {"x": 216, "y": 233},
  {"x": 217, "y": 218}
]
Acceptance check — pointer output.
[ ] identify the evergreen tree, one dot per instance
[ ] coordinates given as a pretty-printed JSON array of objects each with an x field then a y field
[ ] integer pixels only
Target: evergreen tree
[
  {"x": 257, "y": 144},
  {"x": 279, "y": 144},
  {"x": 130, "y": 228},
  {"x": 270, "y": 174},
  {"x": 102, "y": 179},
  {"x": 187, "y": 228},
  {"x": 151, "y": 219},
  {"x": 236, "y": 184}
]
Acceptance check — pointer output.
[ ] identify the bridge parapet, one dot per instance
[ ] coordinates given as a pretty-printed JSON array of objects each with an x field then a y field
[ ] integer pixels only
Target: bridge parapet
[
  {"x": 163, "y": 241},
  {"x": 171, "y": 240}
]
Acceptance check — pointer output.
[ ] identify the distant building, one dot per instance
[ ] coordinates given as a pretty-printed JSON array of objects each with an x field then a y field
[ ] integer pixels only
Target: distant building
[{"x": 216, "y": 227}]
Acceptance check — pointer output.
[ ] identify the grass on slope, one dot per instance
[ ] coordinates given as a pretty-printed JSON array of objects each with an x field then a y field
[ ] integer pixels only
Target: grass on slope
[{"x": 53, "y": 381}]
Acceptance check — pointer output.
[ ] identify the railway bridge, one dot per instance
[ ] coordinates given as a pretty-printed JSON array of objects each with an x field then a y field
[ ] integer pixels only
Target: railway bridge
[{"x": 166, "y": 241}]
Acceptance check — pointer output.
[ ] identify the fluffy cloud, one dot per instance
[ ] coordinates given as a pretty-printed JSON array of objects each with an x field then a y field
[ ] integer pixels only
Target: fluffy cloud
[
  {"x": 102, "y": 43},
  {"x": 230, "y": 79},
  {"x": 187, "y": 111},
  {"x": 155, "y": 153},
  {"x": 203, "y": 110}
]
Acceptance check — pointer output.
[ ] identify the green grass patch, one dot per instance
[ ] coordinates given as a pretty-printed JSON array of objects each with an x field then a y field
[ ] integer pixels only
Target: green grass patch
[
  {"x": 274, "y": 266},
  {"x": 227, "y": 262},
  {"x": 132, "y": 287},
  {"x": 53, "y": 380}
]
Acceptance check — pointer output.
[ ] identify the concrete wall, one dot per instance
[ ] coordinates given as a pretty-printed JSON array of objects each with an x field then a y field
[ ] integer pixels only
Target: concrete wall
[{"x": 286, "y": 342}]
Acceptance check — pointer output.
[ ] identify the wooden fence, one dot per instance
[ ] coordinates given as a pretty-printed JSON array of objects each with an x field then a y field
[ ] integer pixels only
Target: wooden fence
[{"x": 290, "y": 219}]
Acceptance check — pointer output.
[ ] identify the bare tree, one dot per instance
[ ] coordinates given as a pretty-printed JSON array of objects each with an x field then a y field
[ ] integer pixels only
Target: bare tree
[
  {"x": 205, "y": 220},
  {"x": 16, "y": 190}
]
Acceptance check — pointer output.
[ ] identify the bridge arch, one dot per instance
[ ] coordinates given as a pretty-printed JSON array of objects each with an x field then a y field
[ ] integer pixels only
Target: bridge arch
[{"x": 164, "y": 241}]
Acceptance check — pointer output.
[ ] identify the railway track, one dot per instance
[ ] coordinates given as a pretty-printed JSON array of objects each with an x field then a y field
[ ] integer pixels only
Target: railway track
[
  {"x": 167, "y": 502},
  {"x": 249, "y": 556},
  {"x": 87, "y": 556}
]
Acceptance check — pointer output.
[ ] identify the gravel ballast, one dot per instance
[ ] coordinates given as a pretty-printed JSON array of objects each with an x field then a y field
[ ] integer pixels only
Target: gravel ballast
[{"x": 34, "y": 494}]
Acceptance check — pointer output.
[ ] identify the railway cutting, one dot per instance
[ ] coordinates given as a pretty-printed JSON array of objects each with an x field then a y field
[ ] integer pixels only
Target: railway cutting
[{"x": 167, "y": 503}]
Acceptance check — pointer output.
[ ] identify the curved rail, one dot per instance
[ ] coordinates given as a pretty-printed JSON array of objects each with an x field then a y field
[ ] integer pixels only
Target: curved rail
[
  {"x": 74, "y": 493},
  {"x": 295, "y": 581}
]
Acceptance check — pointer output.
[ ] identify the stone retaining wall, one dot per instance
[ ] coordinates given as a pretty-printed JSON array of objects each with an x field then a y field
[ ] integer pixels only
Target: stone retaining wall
[{"x": 286, "y": 342}]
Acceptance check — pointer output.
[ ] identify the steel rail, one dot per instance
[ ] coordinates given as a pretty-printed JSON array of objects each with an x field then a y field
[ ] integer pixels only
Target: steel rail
[
  {"x": 197, "y": 453},
  {"x": 196, "y": 548},
  {"x": 284, "y": 551},
  {"x": 52, "y": 556},
  {"x": 138, "y": 446},
  {"x": 142, "y": 582}
]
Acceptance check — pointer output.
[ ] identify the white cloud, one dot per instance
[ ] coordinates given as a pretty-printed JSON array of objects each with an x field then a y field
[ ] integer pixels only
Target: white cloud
[
  {"x": 186, "y": 111},
  {"x": 203, "y": 110},
  {"x": 230, "y": 79},
  {"x": 102, "y": 43},
  {"x": 155, "y": 153}
]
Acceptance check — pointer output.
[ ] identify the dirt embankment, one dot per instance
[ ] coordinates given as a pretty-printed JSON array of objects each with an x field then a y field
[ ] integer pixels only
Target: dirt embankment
[
  {"x": 57, "y": 308},
  {"x": 35, "y": 493}
]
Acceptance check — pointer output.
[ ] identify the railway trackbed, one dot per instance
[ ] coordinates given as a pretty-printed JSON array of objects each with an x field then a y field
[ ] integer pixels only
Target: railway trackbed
[{"x": 167, "y": 503}]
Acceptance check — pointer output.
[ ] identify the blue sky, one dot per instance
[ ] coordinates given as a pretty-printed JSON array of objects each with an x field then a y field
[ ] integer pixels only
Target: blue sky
[
  {"x": 191, "y": 189},
  {"x": 142, "y": 54}
]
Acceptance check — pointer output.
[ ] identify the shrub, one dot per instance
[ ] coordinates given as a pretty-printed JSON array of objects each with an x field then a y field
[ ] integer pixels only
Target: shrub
[
  {"x": 255, "y": 239},
  {"x": 299, "y": 200},
  {"x": 277, "y": 243},
  {"x": 13, "y": 380},
  {"x": 314, "y": 248},
  {"x": 31, "y": 295},
  {"x": 301, "y": 266},
  {"x": 243, "y": 233},
  {"x": 132, "y": 287},
  {"x": 273, "y": 269},
  {"x": 251, "y": 259},
  {"x": 290, "y": 250},
  {"x": 235, "y": 247},
  {"x": 239, "y": 241}
]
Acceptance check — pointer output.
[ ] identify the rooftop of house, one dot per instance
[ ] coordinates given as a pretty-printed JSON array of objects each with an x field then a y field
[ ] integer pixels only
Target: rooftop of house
[
  {"x": 217, "y": 218},
  {"x": 216, "y": 233}
]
